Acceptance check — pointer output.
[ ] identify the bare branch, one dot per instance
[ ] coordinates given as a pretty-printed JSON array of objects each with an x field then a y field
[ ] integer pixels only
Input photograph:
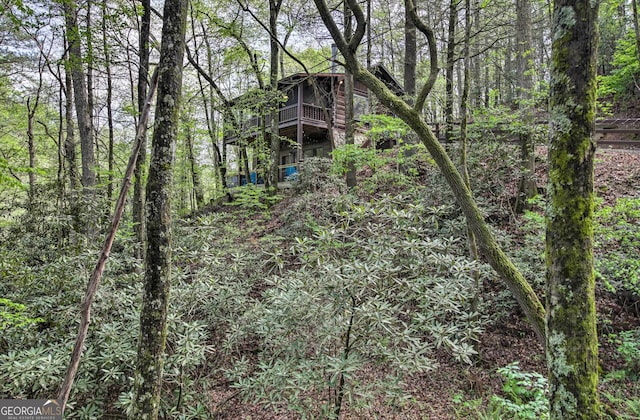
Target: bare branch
[
  {"x": 433, "y": 56},
  {"x": 246, "y": 8}
]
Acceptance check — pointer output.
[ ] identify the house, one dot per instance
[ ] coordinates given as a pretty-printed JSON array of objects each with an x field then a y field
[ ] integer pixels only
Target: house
[{"x": 311, "y": 117}]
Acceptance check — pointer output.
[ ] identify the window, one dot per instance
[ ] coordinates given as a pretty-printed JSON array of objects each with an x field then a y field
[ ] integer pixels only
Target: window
[{"x": 314, "y": 152}]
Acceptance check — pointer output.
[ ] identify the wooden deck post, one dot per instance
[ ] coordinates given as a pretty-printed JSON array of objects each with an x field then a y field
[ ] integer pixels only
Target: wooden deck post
[{"x": 299, "y": 130}]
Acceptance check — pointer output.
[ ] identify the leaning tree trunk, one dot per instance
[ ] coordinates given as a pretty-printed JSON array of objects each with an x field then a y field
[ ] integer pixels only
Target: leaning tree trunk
[
  {"x": 572, "y": 343},
  {"x": 153, "y": 316},
  {"x": 412, "y": 116}
]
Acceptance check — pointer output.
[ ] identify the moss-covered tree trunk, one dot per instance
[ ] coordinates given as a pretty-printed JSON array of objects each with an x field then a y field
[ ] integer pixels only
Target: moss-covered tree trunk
[
  {"x": 572, "y": 345},
  {"x": 487, "y": 244},
  {"x": 153, "y": 316}
]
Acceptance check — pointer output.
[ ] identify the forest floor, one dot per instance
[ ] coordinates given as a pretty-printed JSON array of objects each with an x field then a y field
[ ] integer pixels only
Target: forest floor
[{"x": 454, "y": 390}]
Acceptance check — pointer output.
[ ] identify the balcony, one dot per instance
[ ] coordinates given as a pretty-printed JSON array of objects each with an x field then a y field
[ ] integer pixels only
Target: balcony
[{"x": 289, "y": 116}]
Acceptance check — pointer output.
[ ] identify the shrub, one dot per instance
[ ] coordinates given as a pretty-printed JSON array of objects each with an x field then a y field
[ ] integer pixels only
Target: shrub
[
  {"x": 373, "y": 288},
  {"x": 617, "y": 250},
  {"x": 525, "y": 394}
]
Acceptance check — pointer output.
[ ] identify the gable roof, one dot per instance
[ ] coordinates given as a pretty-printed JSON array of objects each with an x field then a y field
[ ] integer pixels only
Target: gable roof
[
  {"x": 385, "y": 76},
  {"x": 378, "y": 70}
]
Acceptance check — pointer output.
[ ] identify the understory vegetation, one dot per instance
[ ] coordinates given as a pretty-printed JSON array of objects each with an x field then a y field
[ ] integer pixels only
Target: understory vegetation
[{"x": 320, "y": 302}]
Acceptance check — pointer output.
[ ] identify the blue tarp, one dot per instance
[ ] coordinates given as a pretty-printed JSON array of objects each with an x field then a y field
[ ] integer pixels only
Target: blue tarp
[{"x": 290, "y": 171}]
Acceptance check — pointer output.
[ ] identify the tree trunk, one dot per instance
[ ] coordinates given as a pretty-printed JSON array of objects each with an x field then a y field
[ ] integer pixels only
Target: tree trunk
[
  {"x": 220, "y": 155},
  {"x": 245, "y": 163},
  {"x": 60, "y": 176},
  {"x": 489, "y": 248},
  {"x": 96, "y": 275},
  {"x": 477, "y": 59},
  {"x": 274, "y": 134},
  {"x": 464, "y": 101},
  {"x": 508, "y": 75},
  {"x": 226, "y": 111},
  {"x": 80, "y": 97},
  {"x": 349, "y": 129},
  {"x": 153, "y": 316},
  {"x": 369, "y": 43},
  {"x": 31, "y": 146},
  {"x": 410, "y": 52},
  {"x": 451, "y": 49},
  {"x": 195, "y": 173},
  {"x": 138, "y": 186},
  {"x": 107, "y": 65},
  {"x": 70, "y": 152},
  {"x": 527, "y": 185},
  {"x": 572, "y": 343},
  {"x": 90, "y": 59},
  {"x": 636, "y": 27}
]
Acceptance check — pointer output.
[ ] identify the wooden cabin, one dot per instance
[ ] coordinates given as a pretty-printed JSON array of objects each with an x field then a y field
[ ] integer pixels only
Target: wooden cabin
[{"x": 312, "y": 116}]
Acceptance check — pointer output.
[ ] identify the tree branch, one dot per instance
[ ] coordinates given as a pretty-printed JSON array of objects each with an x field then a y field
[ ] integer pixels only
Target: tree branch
[
  {"x": 266, "y": 28},
  {"x": 517, "y": 284},
  {"x": 433, "y": 56}
]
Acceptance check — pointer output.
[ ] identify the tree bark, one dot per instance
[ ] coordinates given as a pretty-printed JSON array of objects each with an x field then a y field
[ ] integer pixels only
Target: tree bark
[
  {"x": 636, "y": 26},
  {"x": 195, "y": 173},
  {"x": 31, "y": 145},
  {"x": 464, "y": 101},
  {"x": 138, "y": 187},
  {"x": 107, "y": 68},
  {"x": 369, "y": 43},
  {"x": 274, "y": 134},
  {"x": 527, "y": 185},
  {"x": 80, "y": 97},
  {"x": 70, "y": 151},
  {"x": 90, "y": 60},
  {"x": 572, "y": 343},
  {"x": 489, "y": 248},
  {"x": 451, "y": 49},
  {"x": 410, "y": 52},
  {"x": 153, "y": 316},
  {"x": 477, "y": 59},
  {"x": 349, "y": 129}
]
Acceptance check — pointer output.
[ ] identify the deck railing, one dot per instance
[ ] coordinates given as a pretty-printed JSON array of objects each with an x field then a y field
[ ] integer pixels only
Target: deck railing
[
  {"x": 286, "y": 115},
  {"x": 313, "y": 112},
  {"x": 287, "y": 172}
]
